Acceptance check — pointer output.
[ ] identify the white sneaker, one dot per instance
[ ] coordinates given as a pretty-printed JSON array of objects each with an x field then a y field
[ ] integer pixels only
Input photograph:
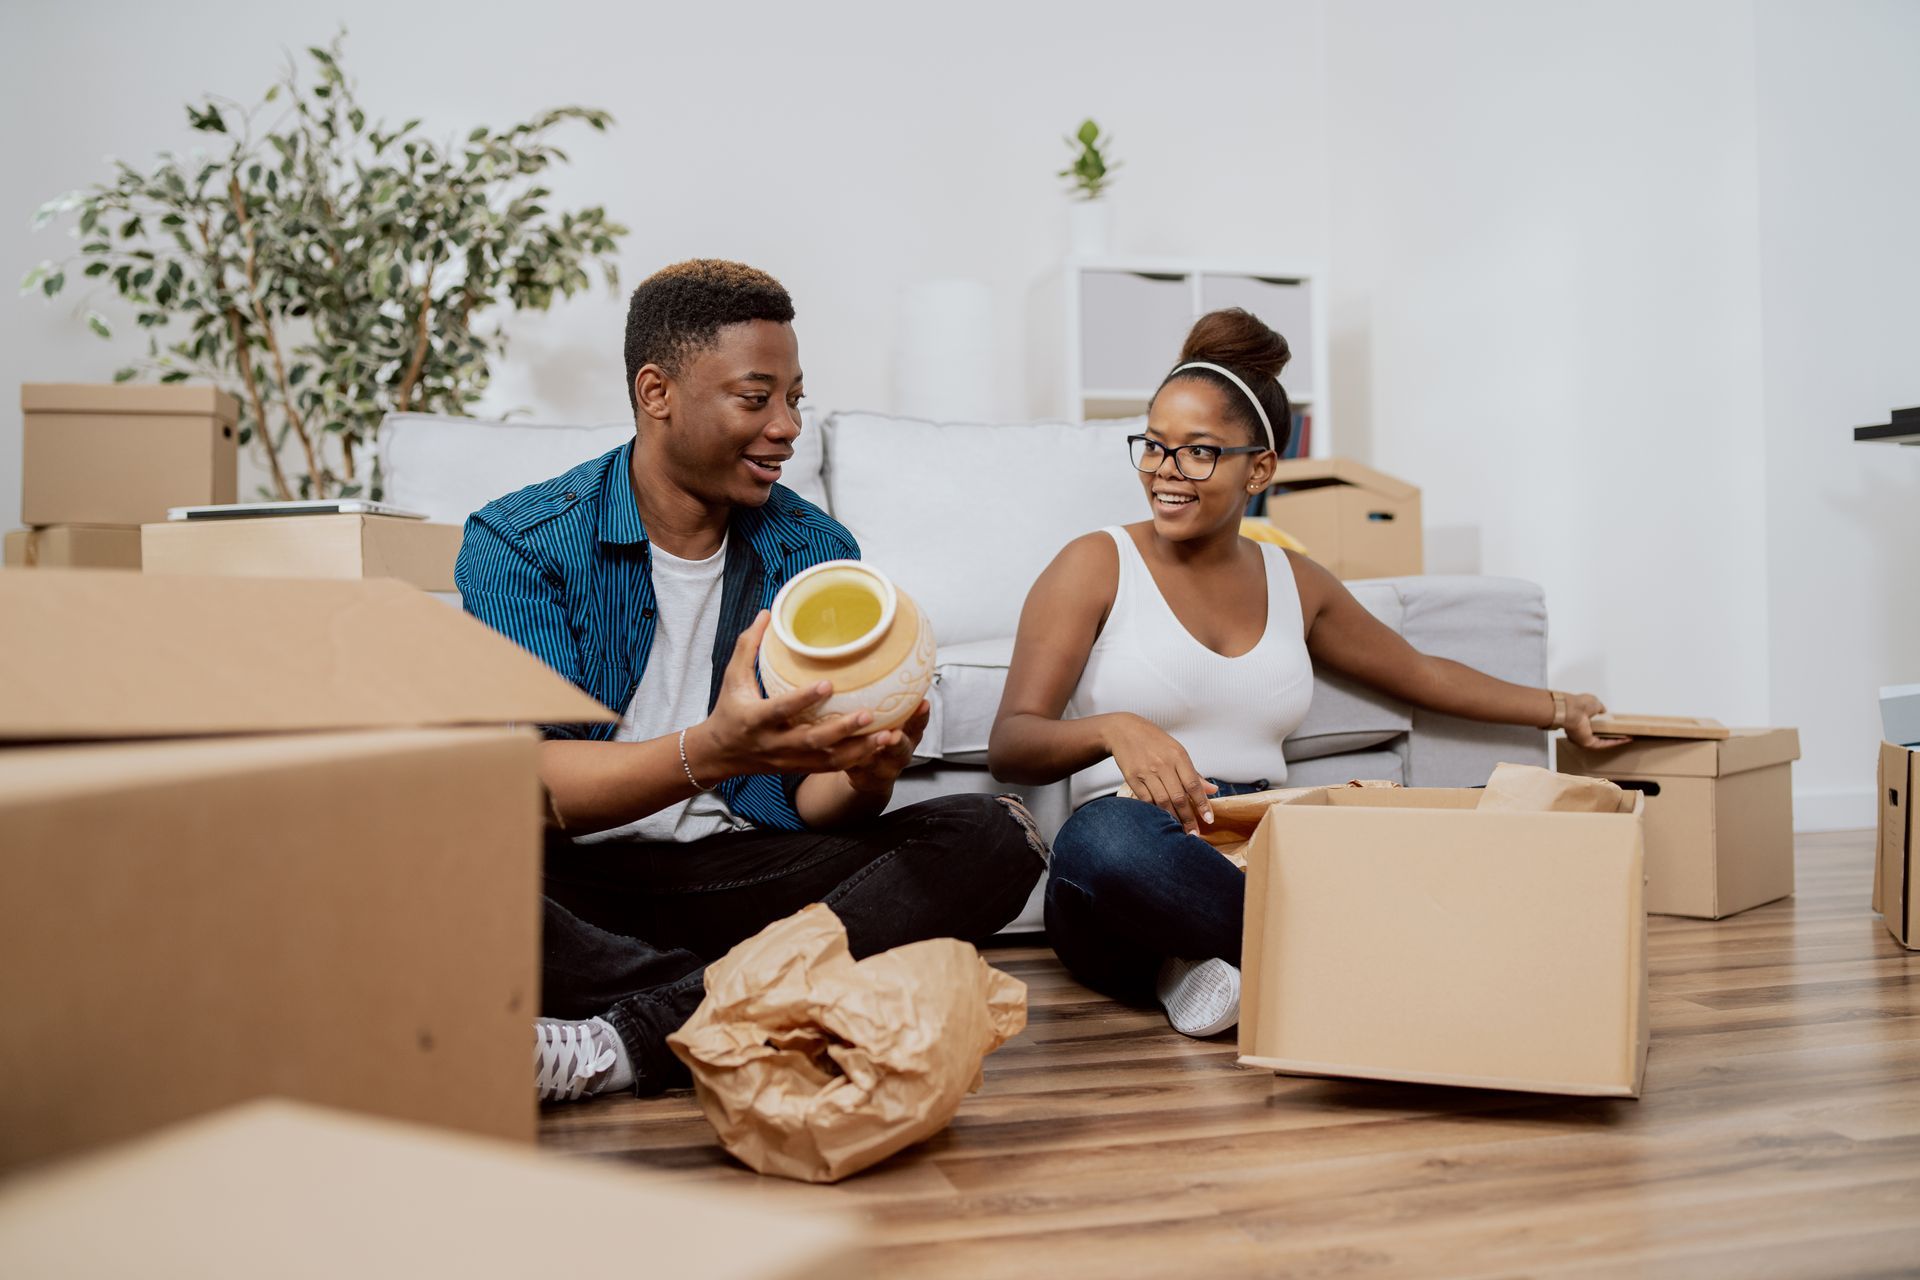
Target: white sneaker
[
  {"x": 574, "y": 1059},
  {"x": 1201, "y": 997}
]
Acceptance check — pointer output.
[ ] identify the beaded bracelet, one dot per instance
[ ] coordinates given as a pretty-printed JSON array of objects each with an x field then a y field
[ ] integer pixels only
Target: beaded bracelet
[{"x": 684, "y": 766}]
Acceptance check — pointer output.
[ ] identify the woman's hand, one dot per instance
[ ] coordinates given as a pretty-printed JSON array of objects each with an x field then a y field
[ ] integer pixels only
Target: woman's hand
[
  {"x": 1581, "y": 709},
  {"x": 1157, "y": 769}
]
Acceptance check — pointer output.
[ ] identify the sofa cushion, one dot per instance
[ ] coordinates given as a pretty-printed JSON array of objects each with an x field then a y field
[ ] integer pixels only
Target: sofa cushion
[
  {"x": 967, "y": 682},
  {"x": 965, "y": 517},
  {"x": 450, "y": 467},
  {"x": 1344, "y": 715}
]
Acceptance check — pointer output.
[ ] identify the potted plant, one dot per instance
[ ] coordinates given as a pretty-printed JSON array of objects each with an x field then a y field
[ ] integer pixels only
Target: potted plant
[
  {"x": 327, "y": 270},
  {"x": 1088, "y": 177}
]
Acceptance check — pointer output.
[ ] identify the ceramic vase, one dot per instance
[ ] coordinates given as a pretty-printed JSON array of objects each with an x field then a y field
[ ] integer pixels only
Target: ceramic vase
[{"x": 887, "y": 669}]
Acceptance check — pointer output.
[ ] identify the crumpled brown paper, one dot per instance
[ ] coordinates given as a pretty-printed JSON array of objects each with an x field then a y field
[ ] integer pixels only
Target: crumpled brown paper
[
  {"x": 1530, "y": 789},
  {"x": 1236, "y": 817},
  {"x": 811, "y": 1066}
]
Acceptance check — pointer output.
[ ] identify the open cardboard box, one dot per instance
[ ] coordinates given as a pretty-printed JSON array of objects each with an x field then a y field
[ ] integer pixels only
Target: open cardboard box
[
  {"x": 263, "y": 837},
  {"x": 1719, "y": 810},
  {"x": 1401, "y": 934},
  {"x": 1355, "y": 521},
  {"x": 1896, "y": 886},
  {"x": 280, "y": 1189}
]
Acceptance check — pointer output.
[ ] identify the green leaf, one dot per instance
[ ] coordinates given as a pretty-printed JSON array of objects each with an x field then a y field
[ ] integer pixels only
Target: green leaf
[
  {"x": 98, "y": 323},
  {"x": 174, "y": 375},
  {"x": 96, "y": 269},
  {"x": 53, "y": 283},
  {"x": 478, "y": 134},
  {"x": 125, "y": 375},
  {"x": 32, "y": 279}
]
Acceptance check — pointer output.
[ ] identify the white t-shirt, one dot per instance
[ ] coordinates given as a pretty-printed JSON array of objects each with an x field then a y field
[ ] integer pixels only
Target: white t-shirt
[{"x": 673, "y": 690}]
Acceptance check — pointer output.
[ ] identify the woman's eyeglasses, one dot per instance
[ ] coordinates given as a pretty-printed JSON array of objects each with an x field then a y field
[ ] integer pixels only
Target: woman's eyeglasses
[{"x": 1194, "y": 461}]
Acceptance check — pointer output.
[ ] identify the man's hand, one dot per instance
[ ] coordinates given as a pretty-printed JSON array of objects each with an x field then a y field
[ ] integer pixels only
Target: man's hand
[
  {"x": 748, "y": 733},
  {"x": 894, "y": 752}
]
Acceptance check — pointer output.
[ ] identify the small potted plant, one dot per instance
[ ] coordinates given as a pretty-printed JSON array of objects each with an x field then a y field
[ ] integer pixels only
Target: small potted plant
[{"x": 1088, "y": 177}]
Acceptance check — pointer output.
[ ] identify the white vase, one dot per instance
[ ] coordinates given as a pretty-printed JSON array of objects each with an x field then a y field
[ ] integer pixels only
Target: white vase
[{"x": 1089, "y": 228}]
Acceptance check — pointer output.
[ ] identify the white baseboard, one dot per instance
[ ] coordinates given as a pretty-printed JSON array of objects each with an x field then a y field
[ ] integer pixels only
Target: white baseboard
[{"x": 1835, "y": 809}]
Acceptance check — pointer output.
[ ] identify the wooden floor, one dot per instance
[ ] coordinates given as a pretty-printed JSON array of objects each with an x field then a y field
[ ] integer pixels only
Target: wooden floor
[{"x": 1779, "y": 1135}]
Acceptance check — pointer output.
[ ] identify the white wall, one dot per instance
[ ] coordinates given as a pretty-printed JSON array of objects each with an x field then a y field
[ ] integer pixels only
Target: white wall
[
  {"x": 848, "y": 148},
  {"x": 1839, "y": 111},
  {"x": 1612, "y": 283},
  {"x": 1546, "y": 311}
]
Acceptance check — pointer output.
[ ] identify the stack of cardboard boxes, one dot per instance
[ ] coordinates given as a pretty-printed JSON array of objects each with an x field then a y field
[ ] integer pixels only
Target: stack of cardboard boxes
[
  {"x": 100, "y": 461},
  {"x": 102, "y": 465}
]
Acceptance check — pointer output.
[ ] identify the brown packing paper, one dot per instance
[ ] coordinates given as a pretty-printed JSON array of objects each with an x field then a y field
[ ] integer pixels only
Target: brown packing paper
[
  {"x": 1527, "y": 788},
  {"x": 811, "y": 1066}
]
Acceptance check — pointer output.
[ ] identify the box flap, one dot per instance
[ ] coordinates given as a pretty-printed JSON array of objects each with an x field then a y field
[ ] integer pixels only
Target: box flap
[
  {"x": 93, "y": 654},
  {"x": 97, "y": 397},
  {"x": 1308, "y": 472},
  {"x": 286, "y": 1189},
  {"x": 1692, "y": 727}
]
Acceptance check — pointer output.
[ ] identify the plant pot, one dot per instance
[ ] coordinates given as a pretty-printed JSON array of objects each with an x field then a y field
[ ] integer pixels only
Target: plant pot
[
  {"x": 1089, "y": 228},
  {"x": 843, "y": 621}
]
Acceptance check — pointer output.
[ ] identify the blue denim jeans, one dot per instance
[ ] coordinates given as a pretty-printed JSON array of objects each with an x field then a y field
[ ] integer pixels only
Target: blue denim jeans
[{"x": 1128, "y": 888}]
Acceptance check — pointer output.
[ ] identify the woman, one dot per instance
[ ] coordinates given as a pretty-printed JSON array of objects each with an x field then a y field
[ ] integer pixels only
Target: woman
[{"x": 1174, "y": 656}]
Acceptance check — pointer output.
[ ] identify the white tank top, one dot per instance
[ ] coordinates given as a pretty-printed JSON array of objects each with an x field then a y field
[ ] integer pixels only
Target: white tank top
[{"x": 1231, "y": 714}]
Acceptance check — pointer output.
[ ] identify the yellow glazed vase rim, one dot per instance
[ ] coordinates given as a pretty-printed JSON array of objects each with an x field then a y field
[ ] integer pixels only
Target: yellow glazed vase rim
[{"x": 784, "y": 601}]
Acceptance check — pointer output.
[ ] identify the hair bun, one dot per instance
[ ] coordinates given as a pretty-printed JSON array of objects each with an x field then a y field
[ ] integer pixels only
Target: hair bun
[{"x": 1238, "y": 339}]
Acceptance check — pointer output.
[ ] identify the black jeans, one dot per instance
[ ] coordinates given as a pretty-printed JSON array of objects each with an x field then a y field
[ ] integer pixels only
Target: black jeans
[{"x": 958, "y": 867}]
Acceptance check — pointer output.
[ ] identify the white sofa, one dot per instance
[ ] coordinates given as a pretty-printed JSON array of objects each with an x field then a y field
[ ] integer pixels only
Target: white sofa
[{"x": 964, "y": 517}]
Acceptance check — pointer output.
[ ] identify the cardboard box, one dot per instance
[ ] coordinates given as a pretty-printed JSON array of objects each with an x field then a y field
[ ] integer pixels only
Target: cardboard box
[
  {"x": 1358, "y": 522},
  {"x": 1401, "y": 934},
  {"x": 1719, "y": 815},
  {"x": 278, "y": 1189},
  {"x": 74, "y": 546},
  {"x": 1896, "y": 887},
  {"x": 336, "y": 898},
  {"x": 124, "y": 454},
  {"x": 338, "y": 546}
]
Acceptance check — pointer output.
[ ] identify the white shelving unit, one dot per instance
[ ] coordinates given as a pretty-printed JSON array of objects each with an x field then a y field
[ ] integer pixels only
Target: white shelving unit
[{"x": 1107, "y": 329}]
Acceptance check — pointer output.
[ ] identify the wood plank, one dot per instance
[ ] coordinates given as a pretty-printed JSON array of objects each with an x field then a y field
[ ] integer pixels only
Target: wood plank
[{"x": 1779, "y": 1135}]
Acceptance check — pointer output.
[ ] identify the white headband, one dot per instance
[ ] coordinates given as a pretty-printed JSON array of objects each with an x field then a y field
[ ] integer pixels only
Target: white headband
[{"x": 1234, "y": 378}]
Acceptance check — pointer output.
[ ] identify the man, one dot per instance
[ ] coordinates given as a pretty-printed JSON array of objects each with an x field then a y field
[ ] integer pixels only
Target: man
[{"x": 709, "y": 811}]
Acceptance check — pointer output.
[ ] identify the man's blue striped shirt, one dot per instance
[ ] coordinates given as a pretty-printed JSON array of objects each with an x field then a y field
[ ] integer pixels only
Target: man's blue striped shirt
[{"x": 562, "y": 568}]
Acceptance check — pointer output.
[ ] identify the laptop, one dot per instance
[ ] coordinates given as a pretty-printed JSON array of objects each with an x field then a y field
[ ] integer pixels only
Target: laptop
[{"x": 298, "y": 507}]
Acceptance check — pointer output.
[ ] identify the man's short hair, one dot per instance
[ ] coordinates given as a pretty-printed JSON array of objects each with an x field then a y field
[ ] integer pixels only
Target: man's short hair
[{"x": 679, "y": 310}]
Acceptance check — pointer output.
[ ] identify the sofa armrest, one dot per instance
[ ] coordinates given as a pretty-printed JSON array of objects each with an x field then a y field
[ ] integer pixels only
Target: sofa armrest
[{"x": 1495, "y": 625}]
